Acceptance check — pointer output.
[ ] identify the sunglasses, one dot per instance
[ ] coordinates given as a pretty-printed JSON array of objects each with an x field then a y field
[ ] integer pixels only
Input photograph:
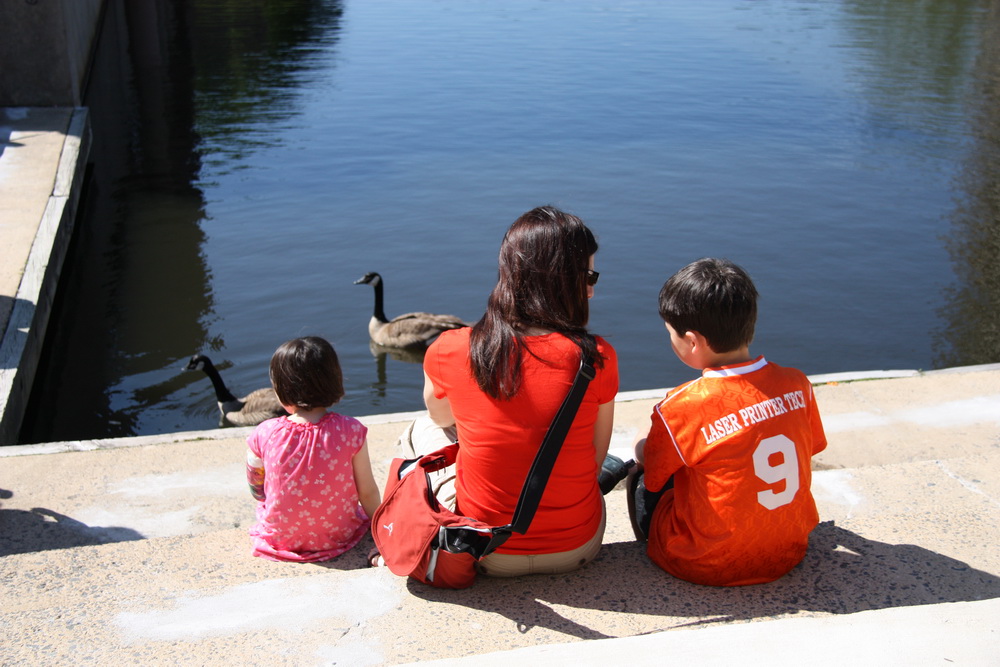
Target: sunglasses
[{"x": 592, "y": 277}]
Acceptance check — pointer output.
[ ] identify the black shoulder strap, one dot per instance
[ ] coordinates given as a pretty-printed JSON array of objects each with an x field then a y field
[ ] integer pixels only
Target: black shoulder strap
[{"x": 545, "y": 459}]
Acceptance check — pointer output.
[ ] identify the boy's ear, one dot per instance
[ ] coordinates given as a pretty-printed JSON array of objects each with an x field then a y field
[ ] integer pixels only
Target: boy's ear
[
  {"x": 698, "y": 342},
  {"x": 688, "y": 339}
]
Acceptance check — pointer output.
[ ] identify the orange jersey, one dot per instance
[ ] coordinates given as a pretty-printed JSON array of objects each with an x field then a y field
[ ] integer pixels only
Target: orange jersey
[{"x": 738, "y": 441}]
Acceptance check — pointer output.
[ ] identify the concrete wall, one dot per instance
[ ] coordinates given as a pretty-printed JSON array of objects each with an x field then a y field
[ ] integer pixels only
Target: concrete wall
[
  {"x": 57, "y": 139},
  {"x": 45, "y": 48}
]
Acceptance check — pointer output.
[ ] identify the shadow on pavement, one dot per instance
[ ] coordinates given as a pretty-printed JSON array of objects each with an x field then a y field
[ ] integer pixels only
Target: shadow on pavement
[
  {"x": 842, "y": 573},
  {"x": 40, "y": 529}
]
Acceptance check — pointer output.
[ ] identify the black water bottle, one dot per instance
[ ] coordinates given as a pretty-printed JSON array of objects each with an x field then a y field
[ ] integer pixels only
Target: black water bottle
[{"x": 613, "y": 471}]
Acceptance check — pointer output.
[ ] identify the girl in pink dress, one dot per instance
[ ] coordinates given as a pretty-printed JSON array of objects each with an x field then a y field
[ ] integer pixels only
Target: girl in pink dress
[{"x": 309, "y": 471}]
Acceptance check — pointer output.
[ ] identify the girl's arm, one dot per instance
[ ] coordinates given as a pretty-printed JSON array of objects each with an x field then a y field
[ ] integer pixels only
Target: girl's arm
[
  {"x": 364, "y": 481},
  {"x": 602, "y": 431},
  {"x": 255, "y": 475},
  {"x": 439, "y": 409}
]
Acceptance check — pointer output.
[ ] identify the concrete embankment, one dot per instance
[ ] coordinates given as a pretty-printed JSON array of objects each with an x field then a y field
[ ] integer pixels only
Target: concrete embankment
[
  {"x": 43, "y": 157},
  {"x": 135, "y": 550}
]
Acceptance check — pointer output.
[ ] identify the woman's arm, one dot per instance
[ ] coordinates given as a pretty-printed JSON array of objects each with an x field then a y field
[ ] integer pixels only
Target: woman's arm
[
  {"x": 439, "y": 409},
  {"x": 364, "y": 481},
  {"x": 602, "y": 431}
]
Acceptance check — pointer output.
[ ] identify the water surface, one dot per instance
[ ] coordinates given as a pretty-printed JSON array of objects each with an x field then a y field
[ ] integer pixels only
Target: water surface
[{"x": 255, "y": 158}]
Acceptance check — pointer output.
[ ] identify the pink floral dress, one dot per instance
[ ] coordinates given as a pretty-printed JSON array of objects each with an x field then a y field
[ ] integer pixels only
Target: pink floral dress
[{"x": 310, "y": 510}]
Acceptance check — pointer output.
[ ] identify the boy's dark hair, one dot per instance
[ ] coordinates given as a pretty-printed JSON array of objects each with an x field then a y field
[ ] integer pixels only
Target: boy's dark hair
[
  {"x": 714, "y": 297},
  {"x": 305, "y": 372}
]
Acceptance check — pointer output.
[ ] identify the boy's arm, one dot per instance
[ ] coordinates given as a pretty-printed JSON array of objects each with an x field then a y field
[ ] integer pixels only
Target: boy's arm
[
  {"x": 816, "y": 424},
  {"x": 659, "y": 455},
  {"x": 639, "y": 449},
  {"x": 364, "y": 481}
]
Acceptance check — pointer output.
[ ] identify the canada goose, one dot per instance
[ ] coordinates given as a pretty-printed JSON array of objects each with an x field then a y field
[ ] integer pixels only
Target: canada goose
[
  {"x": 250, "y": 410},
  {"x": 406, "y": 330}
]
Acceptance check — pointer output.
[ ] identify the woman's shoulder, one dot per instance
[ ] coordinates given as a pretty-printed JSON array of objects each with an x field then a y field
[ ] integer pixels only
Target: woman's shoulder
[
  {"x": 603, "y": 345},
  {"x": 449, "y": 343},
  {"x": 606, "y": 350},
  {"x": 452, "y": 338}
]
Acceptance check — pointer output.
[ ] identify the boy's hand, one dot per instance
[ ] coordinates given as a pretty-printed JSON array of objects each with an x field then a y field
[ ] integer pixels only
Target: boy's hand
[{"x": 640, "y": 447}]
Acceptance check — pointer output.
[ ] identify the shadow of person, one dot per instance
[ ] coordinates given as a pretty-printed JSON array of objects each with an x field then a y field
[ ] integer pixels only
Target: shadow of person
[
  {"x": 39, "y": 529},
  {"x": 842, "y": 573}
]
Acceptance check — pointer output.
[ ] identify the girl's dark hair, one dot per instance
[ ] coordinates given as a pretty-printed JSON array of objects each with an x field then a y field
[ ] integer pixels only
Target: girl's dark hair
[
  {"x": 714, "y": 297},
  {"x": 305, "y": 372},
  {"x": 542, "y": 283}
]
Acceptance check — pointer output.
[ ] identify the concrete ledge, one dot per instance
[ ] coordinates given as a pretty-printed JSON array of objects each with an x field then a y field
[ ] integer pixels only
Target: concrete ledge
[
  {"x": 960, "y": 632},
  {"x": 239, "y": 433},
  {"x": 639, "y": 402},
  {"x": 24, "y": 333}
]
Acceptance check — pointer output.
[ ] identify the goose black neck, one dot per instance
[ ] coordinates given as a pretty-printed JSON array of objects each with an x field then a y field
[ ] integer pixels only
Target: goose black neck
[
  {"x": 379, "y": 308},
  {"x": 222, "y": 393}
]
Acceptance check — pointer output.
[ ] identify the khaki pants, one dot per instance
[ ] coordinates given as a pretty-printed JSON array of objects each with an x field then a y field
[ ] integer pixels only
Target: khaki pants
[{"x": 423, "y": 437}]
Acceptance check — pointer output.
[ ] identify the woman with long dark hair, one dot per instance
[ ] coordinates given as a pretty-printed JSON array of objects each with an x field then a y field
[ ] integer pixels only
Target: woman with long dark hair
[{"x": 500, "y": 383}]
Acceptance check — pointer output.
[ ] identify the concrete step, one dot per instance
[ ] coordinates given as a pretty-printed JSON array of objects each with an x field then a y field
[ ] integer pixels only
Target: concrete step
[
  {"x": 137, "y": 551},
  {"x": 61, "y": 495},
  {"x": 959, "y": 633},
  {"x": 893, "y": 536},
  {"x": 66, "y": 494}
]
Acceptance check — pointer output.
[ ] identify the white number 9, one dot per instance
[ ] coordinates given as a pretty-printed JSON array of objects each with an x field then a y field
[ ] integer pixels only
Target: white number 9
[{"x": 787, "y": 470}]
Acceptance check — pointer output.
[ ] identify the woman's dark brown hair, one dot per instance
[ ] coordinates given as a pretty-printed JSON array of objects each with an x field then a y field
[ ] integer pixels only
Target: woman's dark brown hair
[
  {"x": 305, "y": 372},
  {"x": 542, "y": 283}
]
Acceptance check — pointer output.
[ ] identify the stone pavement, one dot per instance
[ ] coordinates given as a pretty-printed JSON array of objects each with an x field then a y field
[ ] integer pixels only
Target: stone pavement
[{"x": 135, "y": 550}]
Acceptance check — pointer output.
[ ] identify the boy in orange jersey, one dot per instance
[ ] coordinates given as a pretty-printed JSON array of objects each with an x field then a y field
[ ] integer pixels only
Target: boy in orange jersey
[{"x": 728, "y": 455}]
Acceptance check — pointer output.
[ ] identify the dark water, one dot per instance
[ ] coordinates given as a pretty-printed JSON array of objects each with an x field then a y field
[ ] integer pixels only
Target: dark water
[{"x": 252, "y": 159}]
